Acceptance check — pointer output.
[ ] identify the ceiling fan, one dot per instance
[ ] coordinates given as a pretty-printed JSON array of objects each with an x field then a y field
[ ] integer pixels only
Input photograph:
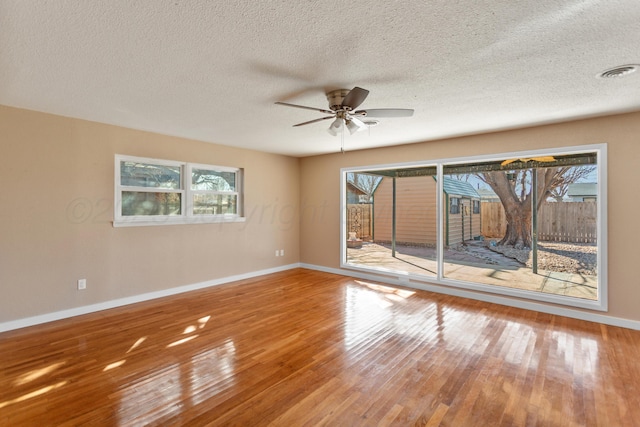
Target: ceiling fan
[{"x": 342, "y": 108}]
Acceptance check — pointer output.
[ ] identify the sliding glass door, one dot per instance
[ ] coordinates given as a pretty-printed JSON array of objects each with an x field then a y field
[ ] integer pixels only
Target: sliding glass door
[{"x": 526, "y": 224}]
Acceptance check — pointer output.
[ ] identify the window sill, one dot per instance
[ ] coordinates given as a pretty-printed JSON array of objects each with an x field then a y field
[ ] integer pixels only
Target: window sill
[{"x": 143, "y": 222}]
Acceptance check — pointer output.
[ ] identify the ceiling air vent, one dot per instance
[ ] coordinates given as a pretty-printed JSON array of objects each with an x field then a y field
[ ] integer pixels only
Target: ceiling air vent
[{"x": 620, "y": 71}]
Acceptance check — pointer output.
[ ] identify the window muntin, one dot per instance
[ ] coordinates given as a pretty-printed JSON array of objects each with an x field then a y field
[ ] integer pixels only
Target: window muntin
[{"x": 152, "y": 191}]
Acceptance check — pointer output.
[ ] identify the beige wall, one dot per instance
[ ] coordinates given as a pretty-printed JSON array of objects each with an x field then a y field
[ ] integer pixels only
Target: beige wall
[
  {"x": 56, "y": 214},
  {"x": 57, "y": 206},
  {"x": 320, "y": 189}
]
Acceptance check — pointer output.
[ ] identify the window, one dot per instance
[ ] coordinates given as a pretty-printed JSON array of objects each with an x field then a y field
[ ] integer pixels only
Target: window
[
  {"x": 152, "y": 192},
  {"x": 213, "y": 190},
  {"x": 530, "y": 238},
  {"x": 454, "y": 205}
]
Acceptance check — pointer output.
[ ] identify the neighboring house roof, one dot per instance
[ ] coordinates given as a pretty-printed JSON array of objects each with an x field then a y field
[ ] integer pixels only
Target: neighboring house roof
[
  {"x": 453, "y": 187},
  {"x": 351, "y": 187},
  {"x": 488, "y": 195},
  {"x": 585, "y": 189}
]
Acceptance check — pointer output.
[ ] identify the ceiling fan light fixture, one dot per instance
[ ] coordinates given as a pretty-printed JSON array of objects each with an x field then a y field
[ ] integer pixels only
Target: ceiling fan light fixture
[
  {"x": 355, "y": 125},
  {"x": 335, "y": 127}
]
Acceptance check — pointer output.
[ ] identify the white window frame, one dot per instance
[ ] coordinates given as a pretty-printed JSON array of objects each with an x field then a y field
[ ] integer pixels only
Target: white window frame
[
  {"x": 186, "y": 216},
  {"x": 188, "y": 176},
  {"x": 423, "y": 282}
]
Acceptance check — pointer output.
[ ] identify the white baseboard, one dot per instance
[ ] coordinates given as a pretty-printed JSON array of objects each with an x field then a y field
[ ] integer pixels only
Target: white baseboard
[
  {"x": 77, "y": 311},
  {"x": 527, "y": 305},
  {"x": 496, "y": 299}
]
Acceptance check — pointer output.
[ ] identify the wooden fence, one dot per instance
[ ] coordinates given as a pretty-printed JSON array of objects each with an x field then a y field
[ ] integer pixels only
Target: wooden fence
[
  {"x": 573, "y": 222},
  {"x": 359, "y": 220},
  {"x": 493, "y": 220}
]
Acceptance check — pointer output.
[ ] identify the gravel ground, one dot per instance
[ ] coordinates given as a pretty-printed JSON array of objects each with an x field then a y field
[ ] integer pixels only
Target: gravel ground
[{"x": 577, "y": 258}]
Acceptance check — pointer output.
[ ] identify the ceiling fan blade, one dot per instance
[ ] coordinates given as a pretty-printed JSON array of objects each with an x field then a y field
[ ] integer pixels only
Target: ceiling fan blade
[
  {"x": 314, "y": 121},
  {"x": 306, "y": 108},
  {"x": 355, "y": 97},
  {"x": 385, "y": 112}
]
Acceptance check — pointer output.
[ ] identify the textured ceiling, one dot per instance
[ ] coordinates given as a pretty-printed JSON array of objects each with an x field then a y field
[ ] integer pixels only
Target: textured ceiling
[{"x": 212, "y": 70}]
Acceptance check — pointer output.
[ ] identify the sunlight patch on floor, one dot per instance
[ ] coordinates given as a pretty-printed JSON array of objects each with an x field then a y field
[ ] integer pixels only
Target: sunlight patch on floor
[
  {"x": 37, "y": 373},
  {"x": 182, "y": 341},
  {"x": 33, "y": 394},
  {"x": 114, "y": 365}
]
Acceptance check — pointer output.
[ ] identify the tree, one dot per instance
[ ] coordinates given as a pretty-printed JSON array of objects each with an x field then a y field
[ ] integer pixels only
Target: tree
[
  {"x": 571, "y": 176},
  {"x": 515, "y": 192},
  {"x": 365, "y": 182}
]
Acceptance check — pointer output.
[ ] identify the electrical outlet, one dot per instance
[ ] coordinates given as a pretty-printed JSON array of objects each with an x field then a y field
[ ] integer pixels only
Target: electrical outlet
[
  {"x": 277, "y": 253},
  {"x": 281, "y": 252},
  {"x": 82, "y": 284}
]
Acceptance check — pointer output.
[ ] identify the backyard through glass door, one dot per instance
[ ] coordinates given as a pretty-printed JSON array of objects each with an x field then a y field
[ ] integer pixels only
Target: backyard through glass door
[{"x": 515, "y": 223}]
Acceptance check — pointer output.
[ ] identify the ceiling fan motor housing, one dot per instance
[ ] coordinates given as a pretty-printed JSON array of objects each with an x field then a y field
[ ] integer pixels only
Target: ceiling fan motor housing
[{"x": 335, "y": 98}]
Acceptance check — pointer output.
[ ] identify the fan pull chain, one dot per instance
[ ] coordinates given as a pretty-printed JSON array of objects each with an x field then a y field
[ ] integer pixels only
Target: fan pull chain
[{"x": 342, "y": 139}]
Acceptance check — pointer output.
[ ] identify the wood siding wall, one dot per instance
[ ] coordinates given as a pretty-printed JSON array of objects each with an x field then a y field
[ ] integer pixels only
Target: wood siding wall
[
  {"x": 415, "y": 210},
  {"x": 494, "y": 221},
  {"x": 416, "y": 213},
  {"x": 465, "y": 225}
]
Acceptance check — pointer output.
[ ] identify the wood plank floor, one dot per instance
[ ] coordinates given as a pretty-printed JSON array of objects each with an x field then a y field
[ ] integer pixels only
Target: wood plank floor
[{"x": 303, "y": 347}]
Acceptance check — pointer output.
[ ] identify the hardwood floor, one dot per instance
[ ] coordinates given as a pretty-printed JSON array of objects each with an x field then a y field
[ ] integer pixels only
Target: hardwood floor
[{"x": 308, "y": 348}]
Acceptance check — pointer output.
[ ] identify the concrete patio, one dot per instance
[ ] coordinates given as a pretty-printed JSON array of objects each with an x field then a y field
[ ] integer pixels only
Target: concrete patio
[{"x": 474, "y": 264}]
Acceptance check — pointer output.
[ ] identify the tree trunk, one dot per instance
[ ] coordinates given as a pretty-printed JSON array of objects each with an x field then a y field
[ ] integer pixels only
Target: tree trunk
[
  {"x": 517, "y": 210},
  {"x": 518, "y": 232},
  {"x": 517, "y": 207}
]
